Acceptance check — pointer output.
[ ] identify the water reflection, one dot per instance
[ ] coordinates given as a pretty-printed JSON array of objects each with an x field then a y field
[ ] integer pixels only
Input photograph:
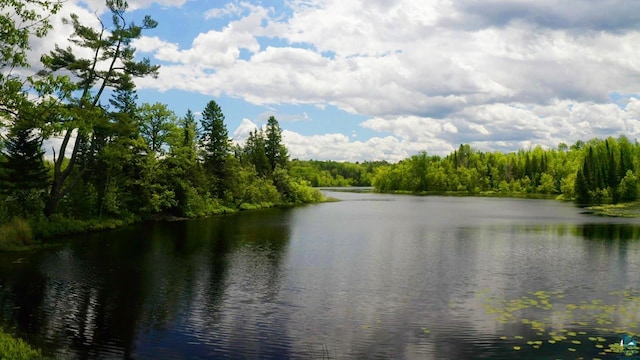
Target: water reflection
[{"x": 374, "y": 276}]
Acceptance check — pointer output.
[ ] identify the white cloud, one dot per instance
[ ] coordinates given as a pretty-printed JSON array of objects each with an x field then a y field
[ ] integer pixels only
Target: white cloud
[
  {"x": 229, "y": 9},
  {"x": 211, "y": 50},
  {"x": 241, "y": 134},
  {"x": 98, "y": 6},
  {"x": 428, "y": 75},
  {"x": 380, "y": 68}
]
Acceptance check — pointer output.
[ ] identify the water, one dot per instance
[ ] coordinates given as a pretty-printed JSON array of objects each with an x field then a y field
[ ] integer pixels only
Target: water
[{"x": 372, "y": 276}]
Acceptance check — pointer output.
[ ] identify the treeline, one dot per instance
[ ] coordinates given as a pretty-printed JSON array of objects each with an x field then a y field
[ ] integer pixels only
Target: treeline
[
  {"x": 115, "y": 158},
  {"x": 333, "y": 173},
  {"x": 597, "y": 171}
]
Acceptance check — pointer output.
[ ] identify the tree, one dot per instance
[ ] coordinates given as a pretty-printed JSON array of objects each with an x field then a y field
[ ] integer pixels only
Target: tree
[
  {"x": 19, "y": 21},
  {"x": 121, "y": 161},
  {"x": 274, "y": 149},
  {"x": 25, "y": 176},
  {"x": 156, "y": 124},
  {"x": 111, "y": 62},
  {"x": 184, "y": 174},
  {"x": 215, "y": 144},
  {"x": 214, "y": 138},
  {"x": 254, "y": 153},
  {"x": 24, "y": 166},
  {"x": 189, "y": 130}
]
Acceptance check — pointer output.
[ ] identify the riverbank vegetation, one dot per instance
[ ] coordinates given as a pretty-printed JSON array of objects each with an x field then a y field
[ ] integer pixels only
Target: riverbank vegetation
[
  {"x": 599, "y": 171},
  {"x": 335, "y": 174},
  {"x": 16, "y": 348},
  {"x": 115, "y": 161}
]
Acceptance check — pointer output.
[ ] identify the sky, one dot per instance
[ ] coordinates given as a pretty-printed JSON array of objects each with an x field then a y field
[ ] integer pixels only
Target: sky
[{"x": 369, "y": 80}]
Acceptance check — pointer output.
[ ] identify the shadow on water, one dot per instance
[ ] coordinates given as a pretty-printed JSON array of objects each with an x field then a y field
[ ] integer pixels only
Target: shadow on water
[{"x": 119, "y": 294}]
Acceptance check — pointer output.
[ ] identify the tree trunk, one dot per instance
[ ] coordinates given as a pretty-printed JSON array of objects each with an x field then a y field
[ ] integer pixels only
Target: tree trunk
[
  {"x": 55, "y": 195},
  {"x": 59, "y": 175}
]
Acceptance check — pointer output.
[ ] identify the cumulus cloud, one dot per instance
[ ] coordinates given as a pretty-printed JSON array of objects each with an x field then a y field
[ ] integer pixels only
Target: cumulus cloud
[
  {"x": 398, "y": 58},
  {"x": 428, "y": 75},
  {"x": 339, "y": 147},
  {"x": 607, "y": 15},
  {"x": 211, "y": 50}
]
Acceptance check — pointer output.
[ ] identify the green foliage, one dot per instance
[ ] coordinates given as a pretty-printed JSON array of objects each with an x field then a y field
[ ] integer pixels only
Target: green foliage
[
  {"x": 16, "y": 349},
  {"x": 21, "y": 20},
  {"x": 122, "y": 163},
  {"x": 16, "y": 235},
  {"x": 275, "y": 151},
  {"x": 593, "y": 172},
  {"x": 157, "y": 122},
  {"x": 216, "y": 147},
  {"x": 112, "y": 64},
  {"x": 254, "y": 153},
  {"x": 332, "y": 173},
  {"x": 629, "y": 187},
  {"x": 23, "y": 175}
]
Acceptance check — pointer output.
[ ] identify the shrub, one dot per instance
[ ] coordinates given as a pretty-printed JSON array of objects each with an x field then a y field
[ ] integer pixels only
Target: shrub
[
  {"x": 17, "y": 349},
  {"x": 15, "y": 234}
]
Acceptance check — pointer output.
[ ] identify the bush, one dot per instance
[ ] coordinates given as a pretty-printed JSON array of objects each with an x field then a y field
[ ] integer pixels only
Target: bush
[
  {"x": 16, "y": 234},
  {"x": 16, "y": 349}
]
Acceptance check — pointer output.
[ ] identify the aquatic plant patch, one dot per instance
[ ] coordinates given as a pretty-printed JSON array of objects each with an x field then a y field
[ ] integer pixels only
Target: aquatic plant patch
[{"x": 550, "y": 322}]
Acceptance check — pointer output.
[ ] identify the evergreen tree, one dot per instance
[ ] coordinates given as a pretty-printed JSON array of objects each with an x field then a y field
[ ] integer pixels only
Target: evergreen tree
[
  {"x": 25, "y": 176},
  {"x": 275, "y": 151},
  {"x": 214, "y": 138},
  {"x": 189, "y": 129},
  {"x": 24, "y": 166},
  {"x": 583, "y": 195},
  {"x": 125, "y": 117},
  {"x": 216, "y": 145},
  {"x": 255, "y": 154}
]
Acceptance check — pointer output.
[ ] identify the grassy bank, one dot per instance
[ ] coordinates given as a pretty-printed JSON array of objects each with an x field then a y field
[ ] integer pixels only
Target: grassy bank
[
  {"x": 25, "y": 234},
  {"x": 628, "y": 210},
  {"x": 17, "y": 349},
  {"x": 16, "y": 235}
]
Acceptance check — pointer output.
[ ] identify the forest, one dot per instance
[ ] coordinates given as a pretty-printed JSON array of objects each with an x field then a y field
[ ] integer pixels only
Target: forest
[
  {"x": 335, "y": 174},
  {"x": 593, "y": 172},
  {"x": 116, "y": 161}
]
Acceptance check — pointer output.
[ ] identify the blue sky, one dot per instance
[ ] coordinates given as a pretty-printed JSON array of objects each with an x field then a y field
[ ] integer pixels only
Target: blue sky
[{"x": 384, "y": 79}]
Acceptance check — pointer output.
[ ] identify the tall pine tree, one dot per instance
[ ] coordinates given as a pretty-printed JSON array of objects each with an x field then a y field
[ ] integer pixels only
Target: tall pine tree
[
  {"x": 274, "y": 149},
  {"x": 112, "y": 59},
  {"x": 24, "y": 174},
  {"x": 215, "y": 145}
]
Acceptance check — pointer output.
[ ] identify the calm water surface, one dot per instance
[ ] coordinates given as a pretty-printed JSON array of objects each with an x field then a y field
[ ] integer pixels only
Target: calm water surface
[{"x": 372, "y": 276}]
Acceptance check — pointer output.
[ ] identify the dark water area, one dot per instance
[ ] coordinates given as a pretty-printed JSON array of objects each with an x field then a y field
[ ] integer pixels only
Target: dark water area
[{"x": 372, "y": 276}]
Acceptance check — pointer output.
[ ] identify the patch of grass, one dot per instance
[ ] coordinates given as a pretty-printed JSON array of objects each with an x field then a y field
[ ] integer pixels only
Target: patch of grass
[
  {"x": 16, "y": 235},
  {"x": 16, "y": 349},
  {"x": 629, "y": 210}
]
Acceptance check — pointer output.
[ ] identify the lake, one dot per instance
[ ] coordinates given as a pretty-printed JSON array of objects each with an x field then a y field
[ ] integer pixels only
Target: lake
[{"x": 372, "y": 276}]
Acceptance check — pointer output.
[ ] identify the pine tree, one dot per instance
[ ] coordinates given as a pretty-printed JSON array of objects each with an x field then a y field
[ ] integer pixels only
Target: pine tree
[
  {"x": 125, "y": 117},
  {"x": 255, "y": 154},
  {"x": 274, "y": 149},
  {"x": 25, "y": 176},
  {"x": 108, "y": 46},
  {"x": 189, "y": 129},
  {"x": 216, "y": 145},
  {"x": 25, "y": 166}
]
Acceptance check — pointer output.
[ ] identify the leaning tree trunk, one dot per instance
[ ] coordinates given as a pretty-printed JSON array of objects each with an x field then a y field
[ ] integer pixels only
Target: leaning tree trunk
[{"x": 60, "y": 175}]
